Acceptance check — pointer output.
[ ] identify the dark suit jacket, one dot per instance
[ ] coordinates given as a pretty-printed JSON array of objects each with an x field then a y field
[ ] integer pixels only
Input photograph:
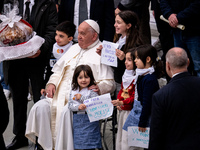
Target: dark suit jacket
[
  {"x": 101, "y": 11},
  {"x": 1, "y": 5},
  {"x": 175, "y": 120}
]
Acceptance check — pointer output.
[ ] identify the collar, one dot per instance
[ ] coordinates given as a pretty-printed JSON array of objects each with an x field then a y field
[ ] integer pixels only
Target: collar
[
  {"x": 140, "y": 72},
  {"x": 180, "y": 75},
  {"x": 32, "y": 2}
]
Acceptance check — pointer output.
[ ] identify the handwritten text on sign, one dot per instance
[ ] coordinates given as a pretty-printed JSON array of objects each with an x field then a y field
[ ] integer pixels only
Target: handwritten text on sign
[
  {"x": 99, "y": 107},
  {"x": 108, "y": 53},
  {"x": 137, "y": 138}
]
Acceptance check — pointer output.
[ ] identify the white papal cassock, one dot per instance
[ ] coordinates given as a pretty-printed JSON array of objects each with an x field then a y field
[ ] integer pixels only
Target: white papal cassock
[{"x": 50, "y": 119}]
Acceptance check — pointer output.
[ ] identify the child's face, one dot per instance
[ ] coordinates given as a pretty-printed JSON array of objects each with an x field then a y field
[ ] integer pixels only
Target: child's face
[
  {"x": 62, "y": 38},
  {"x": 120, "y": 26},
  {"x": 138, "y": 62},
  {"x": 83, "y": 80},
  {"x": 129, "y": 61}
]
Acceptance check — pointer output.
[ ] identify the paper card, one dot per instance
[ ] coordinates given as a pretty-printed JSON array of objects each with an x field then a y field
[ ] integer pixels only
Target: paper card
[
  {"x": 99, "y": 107},
  {"x": 137, "y": 138},
  {"x": 108, "y": 53}
]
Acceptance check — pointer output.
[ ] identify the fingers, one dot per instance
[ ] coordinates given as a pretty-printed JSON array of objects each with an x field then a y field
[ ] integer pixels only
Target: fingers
[{"x": 98, "y": 51}]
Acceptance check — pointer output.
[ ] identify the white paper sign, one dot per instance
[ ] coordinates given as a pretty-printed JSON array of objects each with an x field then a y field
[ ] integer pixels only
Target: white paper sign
[
  {"x": 137, "y": 138},
  {"x": 108, "y": 53},
  {"x": 99, "y": 107}
]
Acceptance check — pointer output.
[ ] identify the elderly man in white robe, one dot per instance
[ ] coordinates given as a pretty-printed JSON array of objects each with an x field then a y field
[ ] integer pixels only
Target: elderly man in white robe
[{"x": 50, "y": 119}]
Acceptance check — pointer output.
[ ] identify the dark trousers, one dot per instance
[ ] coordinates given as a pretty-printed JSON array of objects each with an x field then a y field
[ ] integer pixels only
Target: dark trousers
[
  {"x": 4, "y": 115},
  {"x": 19, "y": 74}
]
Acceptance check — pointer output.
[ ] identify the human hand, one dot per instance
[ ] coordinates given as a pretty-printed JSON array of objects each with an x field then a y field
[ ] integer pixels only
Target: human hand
[
  {"x": 120, "y": 54},
  {"x": 36, "y": 54},
  {"x": 43, "y": 92},
  {"x": 117, "y": 10},
  {"x": 173, "y": 21},
  {"x": 57, "y": 6},
  {"x": 95, "y": 88},
  {"x": 77, "y": 96},
  {"x": 98, "y": 51},
  {"x": 119, "y": 108},
  {"x": 50, "y": 90},
  {"x": 82, "y": 107},
  {"x": 141, "y": 129},
  {"x": 117, "y": 102}
]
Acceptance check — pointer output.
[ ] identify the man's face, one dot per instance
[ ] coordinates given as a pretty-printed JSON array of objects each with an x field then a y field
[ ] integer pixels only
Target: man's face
[{"x": 85, "y": 36}]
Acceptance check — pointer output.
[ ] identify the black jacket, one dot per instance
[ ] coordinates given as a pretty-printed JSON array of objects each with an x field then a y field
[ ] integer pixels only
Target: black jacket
[
  {"x": 187, "y": 13},
  {"x": 44, "y": 22},
  {"x": 175, "y": 119}
]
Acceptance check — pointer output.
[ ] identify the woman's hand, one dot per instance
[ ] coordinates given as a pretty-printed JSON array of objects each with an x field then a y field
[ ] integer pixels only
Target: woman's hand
[
  {"x": 117, "y": 102},
  {"x": 141, "y": 129},
  {"x": 82, "y": 107},
  {"x": 120, "y": 54},
  {"x": 50, "y": 90},
  {"x": 98, "y": 51}
]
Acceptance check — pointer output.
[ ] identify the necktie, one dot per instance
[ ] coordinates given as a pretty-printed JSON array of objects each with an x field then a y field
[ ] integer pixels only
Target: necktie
[
  {"x": 83, "y": 12},
  {"x": 27, "y": 11}
]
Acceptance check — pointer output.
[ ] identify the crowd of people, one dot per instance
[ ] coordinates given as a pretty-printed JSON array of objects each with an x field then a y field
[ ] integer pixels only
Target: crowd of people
[{"x": 67, "y": 70}]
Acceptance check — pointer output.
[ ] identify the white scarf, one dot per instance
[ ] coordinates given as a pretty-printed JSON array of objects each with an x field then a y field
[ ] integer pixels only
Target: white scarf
[
  {"x": 121, "y": 42},
  {"x": 59, "y": 51},
  {"x": 128, "y": 77},
  {"x": 140, "y": 72}
]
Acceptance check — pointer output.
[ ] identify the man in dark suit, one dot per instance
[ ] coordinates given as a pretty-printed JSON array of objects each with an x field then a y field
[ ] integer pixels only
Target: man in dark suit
[
  {"x": 175, "y": 119},
  {"x": 4, "y": 112},
  {"x": 101, "y": 11},
  {"x": 18, "y": 73},
  {"x": 4, "y": 115}
]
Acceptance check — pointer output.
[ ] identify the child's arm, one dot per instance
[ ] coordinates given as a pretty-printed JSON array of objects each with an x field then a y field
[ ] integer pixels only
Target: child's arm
[
  {"x": 149, "y": 89},
  {"x": 73, "y": 105},
  {"x": 117, "y": 102}
]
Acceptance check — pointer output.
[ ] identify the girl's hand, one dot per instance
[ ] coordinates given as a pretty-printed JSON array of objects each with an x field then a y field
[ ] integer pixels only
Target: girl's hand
[
  {"x": 77, "y": 97},
  {"x": 141, "y": 129},
  {"x": 120, "y": 54},
  {"x": 119, "y": 108},
  {"x": 117, "y": 102},
  {"x": 82, "y": 107},
  {"x": 98, "y": 51}
]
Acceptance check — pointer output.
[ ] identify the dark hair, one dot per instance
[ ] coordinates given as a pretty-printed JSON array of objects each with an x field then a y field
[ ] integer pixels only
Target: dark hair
[
  {"x": 132, "y": 52},
  {"x": 67, "y": 27},
  {"x": 133, "y": 38},
  {"x": 148, "y": 50},
  {"x": 87, "y": 72}
]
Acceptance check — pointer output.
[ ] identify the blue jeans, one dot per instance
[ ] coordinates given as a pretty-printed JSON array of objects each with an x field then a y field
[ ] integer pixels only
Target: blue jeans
[
  {"x": 191, "y": 44},
  {"x": 2, "y": 77}
]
